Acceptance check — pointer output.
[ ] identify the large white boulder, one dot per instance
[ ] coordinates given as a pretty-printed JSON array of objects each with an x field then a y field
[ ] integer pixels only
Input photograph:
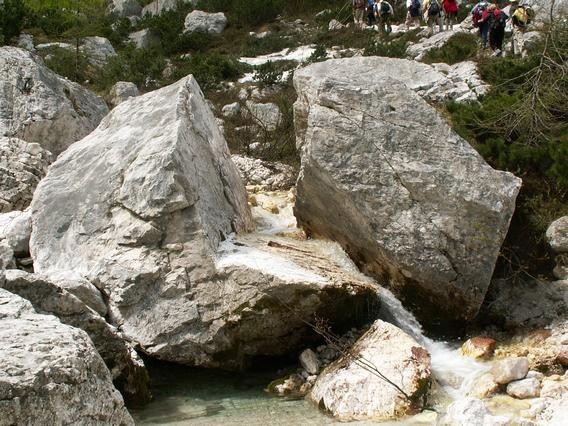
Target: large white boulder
[
  {"x": 122, "y": 91},
  {"x": 385, "y": 175},
  {"x": 98, "y": 50},
  {"x": 22, "y": 166},
  {"x": 51, "y": 373},
  {"x": 142, "y": 39},
  {"x": 356, "y": 386},
  {"x": 15, "y": 229},
  {"x": 557, "y": 235},
  {"x": 157, "y": 7},
  {"x": 77, "y": 303},
  {"x": 267, "y": 115},
  {"x": 272, "y": 175},
  {"x": 39, "y": 106},
  {"x": 204, "y": 22}
]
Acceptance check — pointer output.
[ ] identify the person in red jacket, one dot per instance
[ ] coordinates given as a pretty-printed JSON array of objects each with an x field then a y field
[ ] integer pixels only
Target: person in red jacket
[{"x": 450, "y": 12}]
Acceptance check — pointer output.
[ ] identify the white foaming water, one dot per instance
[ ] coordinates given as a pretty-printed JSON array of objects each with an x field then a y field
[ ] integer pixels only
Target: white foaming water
[{"x": 454, "y": 371}]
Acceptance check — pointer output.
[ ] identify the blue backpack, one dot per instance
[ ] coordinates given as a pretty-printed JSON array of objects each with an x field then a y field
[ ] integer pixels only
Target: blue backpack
[{"x": 434, "y": 8}]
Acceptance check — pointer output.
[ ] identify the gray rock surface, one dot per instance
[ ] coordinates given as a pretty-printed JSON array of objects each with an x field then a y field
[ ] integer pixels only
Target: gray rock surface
[
  {"x": 51, "y": 373},
  {"x": 418, "y": 50},
  {"x": 231, "y": 110},
  {"x": 557, "y": 235},
  {"x": 15, "y": 229},
  {"x": 142, "y": 39},
  {"x": 272, "y": 175},
  {"x": 157, "y": 7},
  {"x": 22, "y": 166},
  {"x": 310, "y": 361},
  {"x": 26, "y": 41},
  {"x": 472, "y": 412},
  {"x": 509, "y": 369},
  {"x": 348, "y": 390},
  {"x": 71, "y": 302},
  {"x": 335, "y": 25},
  {"x": 267, "y": 115},
  {"x": 39, "y": 106},
  {"x": 414, "y": 203},
  {"x": 203, "y": 22},
  {"x": 125, "y": 8},
  {"x": 122, "y": 91},
  {"x": 7, "y": 260},
  {"x": 98, "y": 50}
]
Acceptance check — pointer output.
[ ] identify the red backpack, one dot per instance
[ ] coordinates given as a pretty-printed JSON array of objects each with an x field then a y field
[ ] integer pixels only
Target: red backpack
[{"x": 478, "y": 12}]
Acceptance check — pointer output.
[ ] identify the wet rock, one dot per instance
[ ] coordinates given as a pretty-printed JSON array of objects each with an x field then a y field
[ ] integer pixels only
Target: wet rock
[
  {"x": 440, "y": 232},
  {"x": 75, "y": 303},
  {"x": 203, "y": 22},
  {"x": 122, "y": 91},
  {"x": 290, "y": 386},
  {"x": 125, "y": 8},
  {"x": 557, "y": 235},
  {"x": 526, "y": 388},
  {"x": 22, "y": 166},
  {"x": 310, "y": 361},
  {"x": 510, "y": 369},
  {"x": 472, "y": 412},
  {"x": 142, "y": 39},
  {"x": 271, "y": 175},
  {"x": 479, "y": 347},
  {"x": 484, "y": 387},
  {"x": 41, "y": 107},
  {"x": 51, "y": 373},
  {"x": 348, "y": 390},
  {"x": 98, "y": 50}
]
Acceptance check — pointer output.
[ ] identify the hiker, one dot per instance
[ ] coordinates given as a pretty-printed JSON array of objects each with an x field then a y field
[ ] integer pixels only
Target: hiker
[
  {"x": 414, "y": 9},
  {"x": 521, "y": 16},
  {"x": 384, "y": 13},
  {"x": 479, "y": 18},
  {"x": 432, "y": 11},
  {"x": 371, "y": 13},
  {"x": 358, "y": 8},
  {"x": 497, "y": 20},
  {"x": 450, "y": 12}
]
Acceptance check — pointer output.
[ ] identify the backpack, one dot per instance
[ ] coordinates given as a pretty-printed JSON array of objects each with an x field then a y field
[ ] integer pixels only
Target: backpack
[
  {"x": 499, "y": 19},
  {"x": 359, "y": 4},
  {"x": 434, "y": 8},
  {"x": 523, "y": 16},
  {"x": 477, "y": 13},
  {"x": 385, "y": 8},
  {"x": 414, "y": 8}
]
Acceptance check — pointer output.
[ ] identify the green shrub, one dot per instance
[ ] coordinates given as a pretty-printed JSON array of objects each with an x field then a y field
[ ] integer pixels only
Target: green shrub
[
  {"x": 12, "y": 16},
  {"x": 272, "y": 42},
  {"x": 143, "y": 67},
  {"x": 460, "y": 47},
  {"x": 251, "y": 13},
  {"x": 210, "y": 71},
  {"x": 69, "y": 63},
  {"x": 389, "y": 49}
]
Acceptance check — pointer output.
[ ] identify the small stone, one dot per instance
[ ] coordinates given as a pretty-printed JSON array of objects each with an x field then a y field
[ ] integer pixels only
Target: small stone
[
  {"x": 310, "y": 361},
  {"x": 479, "y": 347},
  {"x": 484, "y": 387},
  {"x": 509, "y": 369},
  {"x": 523, "y": 389}
]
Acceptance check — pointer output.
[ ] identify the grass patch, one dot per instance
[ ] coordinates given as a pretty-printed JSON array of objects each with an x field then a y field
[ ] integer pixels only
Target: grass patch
[{"x": 460, "y": 47}]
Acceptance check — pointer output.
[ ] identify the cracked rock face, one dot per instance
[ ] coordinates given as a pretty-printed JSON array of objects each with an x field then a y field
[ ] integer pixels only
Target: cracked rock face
[
  {"x": 350, "y": 389},
  {"x": 39, "y": 106},
  {"x": 51, "y": 373},
  {"x": 22, "y": 166},
  {"x": 383, "y": 174}
]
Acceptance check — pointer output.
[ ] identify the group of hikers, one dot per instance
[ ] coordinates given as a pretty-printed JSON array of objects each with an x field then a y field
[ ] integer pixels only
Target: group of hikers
[{"x": 487, "y": 16}]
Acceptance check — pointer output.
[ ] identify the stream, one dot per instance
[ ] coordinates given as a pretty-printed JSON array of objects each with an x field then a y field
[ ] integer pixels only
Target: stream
[{"x": 189, "y": 396}]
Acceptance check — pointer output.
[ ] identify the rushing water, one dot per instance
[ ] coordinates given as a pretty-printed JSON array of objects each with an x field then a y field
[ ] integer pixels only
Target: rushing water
[{"x": 184, "y": 396}]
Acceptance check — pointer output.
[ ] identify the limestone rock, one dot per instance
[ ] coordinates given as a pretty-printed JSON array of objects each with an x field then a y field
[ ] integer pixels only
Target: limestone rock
[
  {"x": 22, "y": 166},
  {"x": 122, "y": 91},
  {"x": 231, "y": 110},
  {"x": 51, "y": 373},
  {"x": 335, "y": 25},
  {"x": 157, "y": 7},
  {"x": 472, "y": 412},
  {"x": 310, "y": 361},
  {"x": 142, "y": 39},
  {"x": 71, "y": 304},
  {"x": 125, "y": 8},
  {"x": 268, "y": 115},
  {"x": 98, "y": 50},
  {"x": 557, "y": 235},
  {"x": 39, "y": 106},
  {"x": 348, "y": 391},
  {"x": 484, "y": 386},
  {"x": 15, "y": 229},
  {"x": 526, "y": 388},
  {"x": 415, "y": 203},
  {"x": 510, "y": 369},
  {"x": 203, "y": 22},
  {"x": 478, "y": 347},
  {"x": 272, "y": 175},
  {"x": 418, "y": 50},
  {"x": 7, "y": 260},
  {"x": 26, "y": 41}
]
